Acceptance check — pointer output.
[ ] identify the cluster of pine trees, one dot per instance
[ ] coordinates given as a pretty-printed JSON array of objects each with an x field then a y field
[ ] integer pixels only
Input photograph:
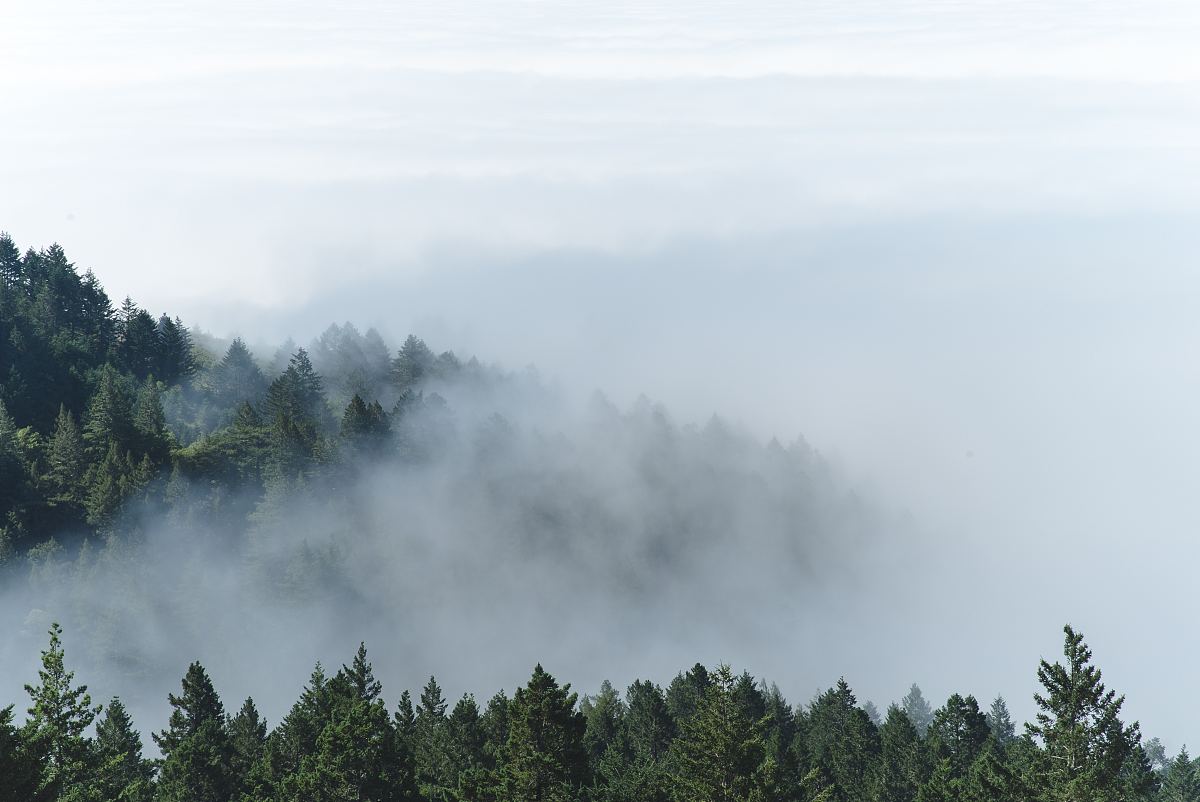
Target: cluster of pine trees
[
  {"x": 710, "y": 736},
  {"x": 102, "y": 405}
]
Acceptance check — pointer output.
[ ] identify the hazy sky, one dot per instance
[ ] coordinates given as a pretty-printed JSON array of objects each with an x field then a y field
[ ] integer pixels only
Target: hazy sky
[{"x": 949, "y": 242}]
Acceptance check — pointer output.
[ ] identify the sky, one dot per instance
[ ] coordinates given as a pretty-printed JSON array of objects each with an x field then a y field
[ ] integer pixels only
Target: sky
[{"x": 947, "y": 242}]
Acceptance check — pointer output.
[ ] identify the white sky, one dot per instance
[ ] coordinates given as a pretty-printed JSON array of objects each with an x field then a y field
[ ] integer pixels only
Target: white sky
[{"x": 909, "y": 230}]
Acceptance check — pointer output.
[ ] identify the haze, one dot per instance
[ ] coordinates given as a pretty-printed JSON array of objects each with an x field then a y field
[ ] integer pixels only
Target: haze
[{"x": 948, "y": 243}]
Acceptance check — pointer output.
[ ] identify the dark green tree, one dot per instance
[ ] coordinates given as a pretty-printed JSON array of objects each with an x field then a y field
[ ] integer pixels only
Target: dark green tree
[
  {"x": 197, "y": 763},
  {"x": 431, "y": 743},
  {"x": 1180, "y": 782},
  {"x": 58, "y": 717},
  {"x": 543, "y": 759},
  {"x": 1085, "y": 745},
  {"x": 120, "y": 773},
  {"x": 902, "y": 764},
  {"x": 718, "y": 748}
]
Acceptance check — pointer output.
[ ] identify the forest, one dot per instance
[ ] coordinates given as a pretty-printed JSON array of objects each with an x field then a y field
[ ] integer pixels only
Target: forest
[
  {"x": 712, "y": 735},
  {"x": 140, "y": 458}
]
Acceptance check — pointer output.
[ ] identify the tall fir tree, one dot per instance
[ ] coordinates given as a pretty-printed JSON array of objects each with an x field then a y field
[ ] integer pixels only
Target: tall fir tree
[
  {"x": 197, "y": 752},
  {"x": 718, "y": 747},
  {"x": 121, "y": 773},
  {"x": 543, "y": 759},
  {"x": 59, "y": 716},
  {"x": 1085, "y": 745},
  {"x": 917, "y": 709}
]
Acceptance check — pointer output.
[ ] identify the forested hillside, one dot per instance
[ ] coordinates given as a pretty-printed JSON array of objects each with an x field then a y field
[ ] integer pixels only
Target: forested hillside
[{"x": 712, "y": 735}]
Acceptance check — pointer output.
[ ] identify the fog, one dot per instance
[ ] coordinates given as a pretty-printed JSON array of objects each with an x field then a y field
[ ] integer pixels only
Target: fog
[{"x": 946, "y": 243}]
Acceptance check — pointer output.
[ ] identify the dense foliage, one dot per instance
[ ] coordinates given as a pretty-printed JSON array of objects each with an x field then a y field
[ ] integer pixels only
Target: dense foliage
[{"x": 710, "y": 736}]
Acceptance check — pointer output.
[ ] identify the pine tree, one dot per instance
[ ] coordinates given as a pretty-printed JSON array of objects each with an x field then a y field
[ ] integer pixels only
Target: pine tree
[
  {"x": 1180, "y": 781},
  {"x": 917, "y": 709},
  {"x": 197, "y": 753},
  {"x": 1000, "y": 723},
  {"x": 465, "y": 738},
  {"x": 958, "y": 733},
  {"x": 648, "y": 725},
  {"x": 109, "y": 482},
  {"x": 20, "y": 767},
  {"x": 685, "y": 693},
  {"x": 176, "y": 361},
  {"x": 65, "y": 461},
  {"x": 844, "y": 742},
  {"x": 431, "y": 745},
  {"x": 58, "y": 718},
  {"x": 902, "y": 764},
  {"x": 11, "y": 271},
  {"x": 150, "y": 424},
  {"x": 236, "y": 378},
  {"x": 248, "y": 738},
  {"x": 414, "y": 363},
  {"x": 356, "y": 756},
  {"x": 1085, "y": 745},
  {"x": 718, "y": 747},
  {"x": 108, "y": 419},
  {"x": 121, "y": 772},
  {"x": 603, "y": 713},
  {"x": 543, "y": 759}
]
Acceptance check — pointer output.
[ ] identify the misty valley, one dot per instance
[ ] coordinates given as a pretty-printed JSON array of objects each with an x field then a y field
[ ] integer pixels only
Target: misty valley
[{"x": 174, "y": 503}]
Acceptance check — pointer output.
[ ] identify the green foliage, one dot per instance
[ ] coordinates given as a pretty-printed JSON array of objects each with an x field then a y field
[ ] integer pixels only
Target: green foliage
[
  {"x": 718, "y": 746},
  {"x": 543, "y": 759},
  {"x": 197, "y": 763},
  {"x": 1085, "y": 745},
  {"x": 58, "y": 717}
]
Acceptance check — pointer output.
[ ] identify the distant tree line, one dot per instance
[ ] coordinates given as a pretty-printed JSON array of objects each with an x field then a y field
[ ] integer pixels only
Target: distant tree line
[{"x": 709, "y": 736}]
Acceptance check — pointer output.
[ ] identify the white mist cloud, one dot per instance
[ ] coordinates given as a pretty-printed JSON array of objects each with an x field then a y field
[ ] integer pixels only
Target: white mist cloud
[{"x": 949, "y": 242}]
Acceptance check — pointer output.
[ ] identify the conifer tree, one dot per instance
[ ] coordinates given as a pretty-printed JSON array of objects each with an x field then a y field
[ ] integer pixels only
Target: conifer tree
[
  {"x": 543, "y": 759},
  {"x": 121, "y": 773},
  {"x": 248, "y": 738},
  {"x": 1180, "y": 782},
  {"x": 647, "y": 724},
  {"x": 431, "y": 745},
  {"x": 65, "y": 461},
  {"x": 718, "y": 747},
  {"x": 413, "y": 363},
  {"x": 1000, "y": 723},
  {"x": 685, "y": 693},
  {"x": 60, "y": 714},
  {"x": 1085, "y": 745},
  {"x": 176, "y": 361},
  {"x": 197, "y": 753},
  {"x": 603, "y": 713},
  {"x": 917, "y": 709},
  {"x": 150, "y": 424},
  {"x": 465, "y": 738},
  {"x": 20, "y": 767},
  {"x": 958, "y": 733},
  {"x": 902, "y": 760},
  {"x": 108, "y": 485},
  {"x": 236, "y": 378},
  {"x": 108, "y": 419}
]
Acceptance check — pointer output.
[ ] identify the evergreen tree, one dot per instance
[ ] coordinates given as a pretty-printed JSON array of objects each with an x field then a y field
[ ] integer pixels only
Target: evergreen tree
[
  {"x": 365, "y": 426},
  {"x": 414, "y": 363},
  {"x": 248, "y": 738},
  {"x": 197, "y": 763},
  {"x": 543, "y": 759},
  {"x": 121, "y": 772},
  {"x": 718, "y": 747},
  {"x": 150, "y": 424},
  {"x": 432, "y": 745},
  {"x": 108, "y": 420},
  {"x": 917, "y": 709},
  {"x": 1085, "y": 745},
  {"x": 59, "y": 716},
  {"x": 108, "y": 485},
  {"x": 685, "y": 693},
  {"x": 902, "y": 759},
  {"x": 603, "y": 713},
  {"x": 1000, "y": 723},
  {"x": 236, "y": 378},
  {"x": 20, "y": 768},
  {"x": 176, "y": 361},
  {"x": 648, "y": 725},
  {"x": 65, "y": 462},
  {"x": 844, "y": 742},
  {"x": 1180, "y": 782},
  {"x": 958, "y": 733},
  {"x": 465, "y": 739}
]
